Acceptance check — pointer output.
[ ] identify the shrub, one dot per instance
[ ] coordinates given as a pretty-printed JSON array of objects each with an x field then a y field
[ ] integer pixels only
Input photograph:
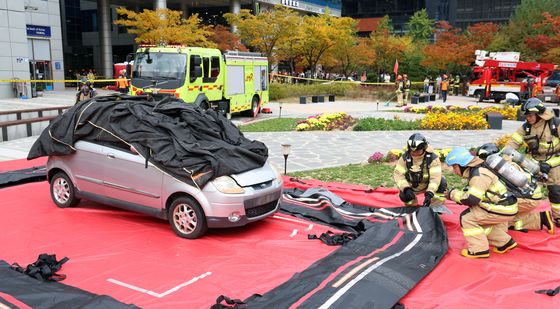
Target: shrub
[
  {"x": 453, "y": 121},
  {"x": 380, "y": 124},
  {"x": 280, "y": 91},
  {"x": 376, "y": 157}
]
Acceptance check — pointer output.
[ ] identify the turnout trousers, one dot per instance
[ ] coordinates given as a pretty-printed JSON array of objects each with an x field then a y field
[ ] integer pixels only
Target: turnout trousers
[{"x": 482, "y": 229}]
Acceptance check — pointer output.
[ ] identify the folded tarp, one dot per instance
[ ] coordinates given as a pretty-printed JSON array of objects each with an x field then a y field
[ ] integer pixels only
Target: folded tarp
[
  {"x": 189, "y": 143},
  {"x": 396, "y": 248}
]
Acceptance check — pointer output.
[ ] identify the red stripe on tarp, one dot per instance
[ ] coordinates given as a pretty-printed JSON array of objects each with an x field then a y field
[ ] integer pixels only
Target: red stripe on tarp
[
  {"x": 12, "y": 300},
  {"x": 344, "y": 267}
]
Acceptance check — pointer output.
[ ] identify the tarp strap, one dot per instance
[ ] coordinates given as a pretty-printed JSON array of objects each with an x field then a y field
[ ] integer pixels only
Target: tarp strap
[
  {"x": 334, "y": 239},
  {"x": 44, "y": 268},
  {"x": 232, "y": 303},
  {"x": 549, "y": 292}
]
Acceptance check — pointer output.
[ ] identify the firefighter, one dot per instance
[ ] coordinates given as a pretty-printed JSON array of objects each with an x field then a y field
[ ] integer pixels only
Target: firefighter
[
  {"x": 444, "y": 88},
  {"x": 456, "y": 84},
  {"x": 418, "y": 170},
  {"x": 400, "y": 88},
  {"x": 122, "y": 83},
  {"x": 491, "y": 206},
  {"x": 525, "y": 219},
  {"x": 406, "y": 87},
  {"x": 540, "y": 133}
]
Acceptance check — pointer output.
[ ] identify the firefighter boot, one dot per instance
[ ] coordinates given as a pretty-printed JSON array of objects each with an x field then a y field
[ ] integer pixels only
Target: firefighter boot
[
  {"x": 546, "y": 221},
  {"x": 482, "y": 254},
  {"x": 510, "y": 245}
]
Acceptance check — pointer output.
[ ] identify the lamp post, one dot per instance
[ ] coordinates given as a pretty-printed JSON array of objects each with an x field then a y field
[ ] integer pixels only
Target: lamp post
[
  {"x": 280, "y": 113},
  {"x": 286, "y": 148}
]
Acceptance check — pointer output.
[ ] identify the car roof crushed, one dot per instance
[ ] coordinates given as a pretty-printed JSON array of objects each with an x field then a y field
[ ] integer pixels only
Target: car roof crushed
[{"x": 190, "y": 144}]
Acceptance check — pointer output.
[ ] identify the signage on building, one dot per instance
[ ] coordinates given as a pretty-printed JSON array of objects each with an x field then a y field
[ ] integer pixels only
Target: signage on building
[
  {"x": 57, "y": 65},
  {"x": 42, "y": 31},
  {"x": 290, "y": 3}
]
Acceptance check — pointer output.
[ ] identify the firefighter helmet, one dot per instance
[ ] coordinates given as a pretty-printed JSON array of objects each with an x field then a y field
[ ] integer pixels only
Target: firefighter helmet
[
  {"x": 459, "y": 155},
  {"x": 533, "y": 106},
  {"x": 417, "y": 141},
  {"x": 487, "y": 149}
]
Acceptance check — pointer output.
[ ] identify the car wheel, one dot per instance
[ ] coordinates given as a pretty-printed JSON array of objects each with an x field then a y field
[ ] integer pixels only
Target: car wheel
[
  {"x": 63, "y": 192},
  {"x": 187, "y": 218}
]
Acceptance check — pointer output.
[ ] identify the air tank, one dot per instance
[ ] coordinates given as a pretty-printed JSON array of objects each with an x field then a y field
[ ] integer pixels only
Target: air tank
[
  {"x": 525, "y": 163},
  {"x": 505, "y": 169}
]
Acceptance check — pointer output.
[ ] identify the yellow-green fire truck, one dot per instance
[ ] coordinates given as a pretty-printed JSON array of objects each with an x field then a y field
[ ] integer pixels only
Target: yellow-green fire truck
[{"x": 232, "y": 82}]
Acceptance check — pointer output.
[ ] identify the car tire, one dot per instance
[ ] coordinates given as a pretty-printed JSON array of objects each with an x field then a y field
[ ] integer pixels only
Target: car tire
[
  {"x": 63, "y": 192},
  {"x": 187, "y": 218}
]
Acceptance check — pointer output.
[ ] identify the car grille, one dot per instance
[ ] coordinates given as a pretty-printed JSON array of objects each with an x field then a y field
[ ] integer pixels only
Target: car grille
[
  {"x": 261, "y": 210},
  {"x": 262, "y": 185}
]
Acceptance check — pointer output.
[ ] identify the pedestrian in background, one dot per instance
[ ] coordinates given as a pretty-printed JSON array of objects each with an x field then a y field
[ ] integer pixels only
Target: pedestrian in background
[
  {"x": 426, "y": 84},
  {"x": 438, "y": 86},
  {"x": 444, "y": 88},
  {"x": 400, "y": 89},
  {"x": 406, "y": 87},
  {"x": 122, "y": 83}
]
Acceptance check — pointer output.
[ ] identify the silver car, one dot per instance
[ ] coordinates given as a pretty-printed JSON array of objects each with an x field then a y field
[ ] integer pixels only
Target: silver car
[{"x": 116, "y": 175}]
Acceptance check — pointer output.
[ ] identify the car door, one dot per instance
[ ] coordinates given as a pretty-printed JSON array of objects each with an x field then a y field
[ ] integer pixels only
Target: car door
[
  {"x": 85, "y": 167},
  {"x": 127, "y": 178}
]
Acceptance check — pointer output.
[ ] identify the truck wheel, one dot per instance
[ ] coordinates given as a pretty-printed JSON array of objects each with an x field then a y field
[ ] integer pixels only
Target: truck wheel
[
  {"x": 478, "y": 94},
  {"x": 497, "y": 100},
  {"x": 255, "y": 106},
  {"x": 187, "y": 218},
  {"x": 62, "y": 191}
]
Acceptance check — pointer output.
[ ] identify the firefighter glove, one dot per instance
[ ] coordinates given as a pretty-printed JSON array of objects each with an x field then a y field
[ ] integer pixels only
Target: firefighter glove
[
  {"x": 428, "y": 198},
  {"x": 449, "y": 194},
  {"x": 545, "y": 167},
  {"x": 408, "y": 194}
]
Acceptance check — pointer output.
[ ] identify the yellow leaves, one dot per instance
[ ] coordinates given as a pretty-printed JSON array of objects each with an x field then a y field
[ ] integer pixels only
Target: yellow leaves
[
  {"x": 165, "y": 26},
  {"x": 453, "y": 121}
]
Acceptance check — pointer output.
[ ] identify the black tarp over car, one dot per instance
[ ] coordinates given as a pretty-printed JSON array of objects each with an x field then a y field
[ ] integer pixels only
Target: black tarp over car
[{"x": 189, "y": 143}]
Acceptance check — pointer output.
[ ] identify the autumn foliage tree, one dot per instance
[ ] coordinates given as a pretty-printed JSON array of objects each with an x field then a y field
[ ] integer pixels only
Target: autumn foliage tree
[
  {"x": 547, "y": 45},
  {"x": 165, "y": 26},
  {"x": 452, "y": 51},
  {"x": 262, "y": 32},
  {"x": 481, "y": 34},
  {"x": 385, "y": 47},
  {"x": 226, "y": 40}
]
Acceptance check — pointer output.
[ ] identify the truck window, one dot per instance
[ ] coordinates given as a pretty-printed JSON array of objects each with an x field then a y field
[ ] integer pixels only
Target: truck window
[
  {"x": 159, "y": 66},
  {"x": 195, "y": 70},
  {"x": 215, "y": 67},
  {"x": 206, "y": 69}
]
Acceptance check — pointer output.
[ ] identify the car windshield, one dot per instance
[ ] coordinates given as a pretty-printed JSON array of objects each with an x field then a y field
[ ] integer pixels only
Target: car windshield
[{"x": 160, "y": 66}]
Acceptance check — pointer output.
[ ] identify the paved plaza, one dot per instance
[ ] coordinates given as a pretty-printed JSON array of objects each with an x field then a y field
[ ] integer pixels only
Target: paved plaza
[{"x": 310, "y": 150}]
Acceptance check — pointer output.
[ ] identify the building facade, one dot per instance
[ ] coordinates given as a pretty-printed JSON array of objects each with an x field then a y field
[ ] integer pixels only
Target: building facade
[
  {"x": 459, "y": 13},
  {"x": 30, "y": 46}
]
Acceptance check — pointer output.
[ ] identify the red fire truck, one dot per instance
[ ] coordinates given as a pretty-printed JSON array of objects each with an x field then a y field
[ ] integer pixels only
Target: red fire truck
[{"x": 497, "y": 75}]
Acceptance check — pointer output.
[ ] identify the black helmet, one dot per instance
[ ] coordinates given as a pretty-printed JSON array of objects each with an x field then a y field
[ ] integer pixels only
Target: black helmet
[
  {"x": 533, "y": 105},
  {"x": 487, "y": 149},
  {"x": 417, "y": 141}
]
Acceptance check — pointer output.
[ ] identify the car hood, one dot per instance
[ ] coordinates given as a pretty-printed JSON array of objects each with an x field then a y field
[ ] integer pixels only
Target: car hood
[{"x": 255, "y": 176}]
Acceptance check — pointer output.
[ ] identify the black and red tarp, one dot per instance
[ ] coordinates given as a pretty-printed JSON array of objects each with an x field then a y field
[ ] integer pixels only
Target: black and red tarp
[
  {"x": 105, "y": 243},
  {"x": 189, "y": 143}
]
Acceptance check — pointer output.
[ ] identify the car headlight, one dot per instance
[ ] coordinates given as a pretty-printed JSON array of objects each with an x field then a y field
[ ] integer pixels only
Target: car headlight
[
  {"x": 277, "y": 172},
  {"x": 226, "y": 184}
]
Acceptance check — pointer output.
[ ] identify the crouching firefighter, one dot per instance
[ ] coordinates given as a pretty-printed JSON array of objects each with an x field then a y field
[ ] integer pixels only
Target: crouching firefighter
[
  {"x": 419, "y": 170},
  {"x": 522, "y": 183},
  {"x": 540, "y": 133},
  {"x": 491, "y": 206}
]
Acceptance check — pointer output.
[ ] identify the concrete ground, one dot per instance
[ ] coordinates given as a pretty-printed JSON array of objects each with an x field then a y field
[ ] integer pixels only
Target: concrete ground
[{"x": 310, "y": 150}]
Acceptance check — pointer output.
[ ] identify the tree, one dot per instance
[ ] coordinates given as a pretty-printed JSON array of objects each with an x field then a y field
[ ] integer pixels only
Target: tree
[
  {"x": 165, "y": 26},
  {"x": 481, "y": 34},
  {"x": 262, "y": 32},
  {"x": 226, "y": 40},
  {"x": 321, "y": 33},
  {"x": 420, "y": 26},
  {"x": 520, "y": 27},
  {"x": 547, "y": 45},
  {"x": 289, "y": 44},
  {"x": 452, "y": 52},
  {"x": 386, "y": 48},
  {"x": 385, "y": 25}
]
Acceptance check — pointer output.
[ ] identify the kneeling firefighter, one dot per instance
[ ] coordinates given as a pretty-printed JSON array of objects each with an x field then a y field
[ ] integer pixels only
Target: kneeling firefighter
[
  {"x": 491, "y": 206},
  {"x": 419, "y": 170},
  {"x": 522, "y": 183},
  {"x": 540, "y": 133}
]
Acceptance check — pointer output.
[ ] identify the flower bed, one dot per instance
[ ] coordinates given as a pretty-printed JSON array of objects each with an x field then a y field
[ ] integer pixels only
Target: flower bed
[
  {"x": 394, "y": 154},
  {"x": 453, "y": 121},
  {"x": 508, "y": 112},
  {"x": 326, "y": 122}
]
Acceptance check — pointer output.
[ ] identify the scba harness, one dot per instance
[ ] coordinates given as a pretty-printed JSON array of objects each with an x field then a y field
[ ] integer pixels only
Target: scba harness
[
  {"x": 533, "y": 141},
  {"x": 415, "y": 177}
]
